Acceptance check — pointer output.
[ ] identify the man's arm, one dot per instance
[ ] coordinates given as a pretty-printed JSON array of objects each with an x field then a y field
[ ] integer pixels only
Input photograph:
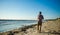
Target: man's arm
[{"x": 42, "y": 17}]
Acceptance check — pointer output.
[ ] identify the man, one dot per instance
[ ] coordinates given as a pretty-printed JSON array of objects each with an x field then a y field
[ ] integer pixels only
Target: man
[{"x": 40, "y": 18}]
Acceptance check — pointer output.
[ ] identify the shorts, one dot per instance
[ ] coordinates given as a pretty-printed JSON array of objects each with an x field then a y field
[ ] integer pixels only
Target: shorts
[{"x": 39, "y": 22}]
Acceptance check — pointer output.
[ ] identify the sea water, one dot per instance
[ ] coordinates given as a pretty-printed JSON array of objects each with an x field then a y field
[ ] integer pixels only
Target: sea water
[{"x": 10, "y": 25}]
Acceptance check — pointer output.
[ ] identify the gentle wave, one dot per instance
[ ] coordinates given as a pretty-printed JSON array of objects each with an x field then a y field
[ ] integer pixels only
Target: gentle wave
[{"x": 10, "y": 25}]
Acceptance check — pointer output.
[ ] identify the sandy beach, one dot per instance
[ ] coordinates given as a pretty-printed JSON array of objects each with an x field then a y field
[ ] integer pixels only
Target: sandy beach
[{"x": 50, "y": 27}]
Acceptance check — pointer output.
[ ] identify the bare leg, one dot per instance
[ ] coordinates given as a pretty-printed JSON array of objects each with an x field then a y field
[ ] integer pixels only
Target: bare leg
[{"x": 38, "y": 28}]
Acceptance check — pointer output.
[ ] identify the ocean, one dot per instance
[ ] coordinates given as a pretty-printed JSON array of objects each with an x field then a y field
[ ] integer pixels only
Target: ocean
[{"x": 7, "y": 25}]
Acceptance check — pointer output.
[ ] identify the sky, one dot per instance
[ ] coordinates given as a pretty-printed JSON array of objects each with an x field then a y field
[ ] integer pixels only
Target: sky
[{"x": 29, "y": 9}]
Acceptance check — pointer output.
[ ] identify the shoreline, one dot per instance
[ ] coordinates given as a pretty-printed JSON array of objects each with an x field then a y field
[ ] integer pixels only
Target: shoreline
[
  {"x": 51, "y": 26},
  {"x": 22, "y": 26},
  {"x": 17, "y": 30}
]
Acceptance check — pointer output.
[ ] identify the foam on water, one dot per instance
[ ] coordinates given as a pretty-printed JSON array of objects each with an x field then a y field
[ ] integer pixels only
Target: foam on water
[{"x": 10, "y": 25}]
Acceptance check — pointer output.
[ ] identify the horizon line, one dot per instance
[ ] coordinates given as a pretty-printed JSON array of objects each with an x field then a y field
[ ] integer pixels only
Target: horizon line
[{"x": 28, "y": 19}]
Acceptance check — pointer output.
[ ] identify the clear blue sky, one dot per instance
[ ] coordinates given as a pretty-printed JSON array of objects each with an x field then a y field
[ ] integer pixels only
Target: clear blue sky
[{"x": 29, "y": 9}]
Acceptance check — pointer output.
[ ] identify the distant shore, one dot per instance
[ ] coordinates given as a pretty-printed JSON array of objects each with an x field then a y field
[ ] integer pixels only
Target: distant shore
[{"x": 52, "y": 26}]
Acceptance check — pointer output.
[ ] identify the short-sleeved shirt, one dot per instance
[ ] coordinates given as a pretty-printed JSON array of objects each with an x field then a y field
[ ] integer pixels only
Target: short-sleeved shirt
[{"x": 40, "y": 17}]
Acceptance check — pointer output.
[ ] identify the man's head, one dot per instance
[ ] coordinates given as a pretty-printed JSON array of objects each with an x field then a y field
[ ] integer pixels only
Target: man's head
[{"x": 40, "y": 12}]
